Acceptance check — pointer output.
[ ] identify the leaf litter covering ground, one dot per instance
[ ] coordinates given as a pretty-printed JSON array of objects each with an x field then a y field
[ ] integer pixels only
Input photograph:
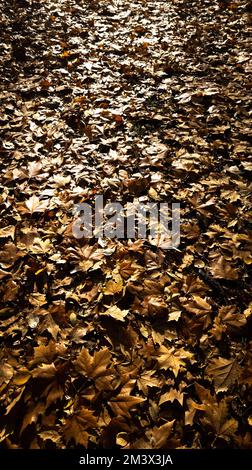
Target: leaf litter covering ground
[{"x": 120, "y": 342}]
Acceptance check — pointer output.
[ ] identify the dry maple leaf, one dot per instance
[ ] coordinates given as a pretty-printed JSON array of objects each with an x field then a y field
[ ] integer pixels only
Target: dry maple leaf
[
  {"x": 8, "y": 231},
  {"x": 97, "y": 367},
  {"x": 128, "y": 268},
  {"x": 9, "y": 254},
  {"x": 215, "y": 414},
  {"x": 34, "y": 169},
  {"x": 158, "y": 436},
  {"x": 205, "y": 395},
  {"x": 221, "y": 269},
  {"x": 32, "y": 414},
  {"x": 154, "y": 304},
  {"x": 193, "y": 285},
  {"x": 44, "y": 371},
  {"x": 224, "y": 372},
  {"x": 123, "y": 403},
  {"x": 116, "y": 313},
  {"x": 34, "y": 204},
  {"x": 47, "y": 353},
  {"x": 170, "y": 358},
  {"x": 50, "y": 435},
  {"x": 48, "y": 324},
  {"x": 86, "y": 257},
  {"x": 200, "y": 307},
  {"x": 55, "y": 389},
  {"x": 147, "y": 380},
  {"x": 227, "y": 320},
  {"x": 77, "y": 425},
  {"x": 113, "y": 287},
  {"x": 216, "y": 418},
  {"x": 172, "y": 395},
  {"x": 92, "y": 90}
]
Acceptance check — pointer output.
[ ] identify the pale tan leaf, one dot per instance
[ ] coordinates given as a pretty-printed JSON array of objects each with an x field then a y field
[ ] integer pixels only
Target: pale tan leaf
[{"x": 34, "y": 204}]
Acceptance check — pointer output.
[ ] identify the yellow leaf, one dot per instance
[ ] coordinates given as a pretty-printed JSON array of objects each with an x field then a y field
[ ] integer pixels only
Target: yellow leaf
[{"x": 113, "y": 287}]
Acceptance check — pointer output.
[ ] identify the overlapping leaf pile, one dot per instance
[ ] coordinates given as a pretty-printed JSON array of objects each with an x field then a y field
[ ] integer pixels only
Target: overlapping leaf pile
[{"x": 120, "y": 342}]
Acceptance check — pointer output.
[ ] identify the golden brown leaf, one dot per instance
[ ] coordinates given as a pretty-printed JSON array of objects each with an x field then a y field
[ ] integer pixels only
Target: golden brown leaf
[{"x": 224, "y": 372}]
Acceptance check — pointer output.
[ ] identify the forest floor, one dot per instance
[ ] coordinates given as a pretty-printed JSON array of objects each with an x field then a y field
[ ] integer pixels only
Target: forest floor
[{"x": 122, "y": 342}]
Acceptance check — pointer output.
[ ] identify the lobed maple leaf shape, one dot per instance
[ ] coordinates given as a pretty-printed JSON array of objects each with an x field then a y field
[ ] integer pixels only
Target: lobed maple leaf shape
[
  {"x": 224, "y": 372},
  {"x": 207, "y": 401},
  {"x": 122, "y": 403},
  {"x": 115, "y": 312},
  {"x": 34, "y": 204},
  {"x": 50, "y": 435},
  {"x": 113, "y": 286},
  {"x": 200, "y": 307},
  {"x": 48, "y": 324},
  {"x": 221, "y": 269},
  {"x": 215, "y": 413},
  {"x": 153, "y": 305},
  {"x": 86, "y": 257},
  {"x": 157, "y": 437},
  {"x": 216, "y": 418},
  {"x": 54, "y": 390},
  {"x": 245, "y": 441},
  {"x": 9, "y": 255},
  {"x": 32, "y": 415},
  {"x": 77, "y": 426},
  {"x": 227, "y": 320},
  {"x": 8, "y": 231},
  {"x": 47, "y": 353},
  {"x": 170, "y": 358},
  {"x": 193, "y": 285},
  {"x": 128, "y": 268},
  {"x": 147, "y": 380},
  {"x": 172, "y": 395},
  {"x": 97, "y": 367}
]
